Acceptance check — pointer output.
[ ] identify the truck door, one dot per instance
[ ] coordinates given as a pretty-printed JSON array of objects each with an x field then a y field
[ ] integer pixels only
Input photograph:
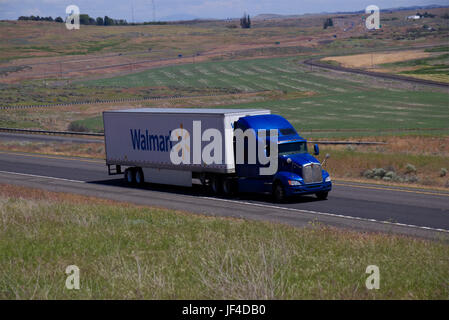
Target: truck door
[{"x": 246, "y": 169}]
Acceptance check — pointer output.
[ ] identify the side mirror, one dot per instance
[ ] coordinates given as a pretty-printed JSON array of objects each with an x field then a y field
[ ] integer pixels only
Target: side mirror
[{"x": 317, "y": 149}]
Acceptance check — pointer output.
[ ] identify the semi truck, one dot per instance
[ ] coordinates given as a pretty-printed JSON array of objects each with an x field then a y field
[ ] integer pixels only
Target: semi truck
[{"x": 173, "y": 146}]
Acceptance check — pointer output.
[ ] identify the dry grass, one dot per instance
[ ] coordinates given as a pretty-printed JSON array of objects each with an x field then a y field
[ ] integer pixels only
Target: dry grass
[
  {"x": 367, "y": 60},
  {"x": 89, "y": 150},
  {"x": 407, "y": 145},
  {"x": 429, "y": 154},
  {"x": 135, "y": 252}
]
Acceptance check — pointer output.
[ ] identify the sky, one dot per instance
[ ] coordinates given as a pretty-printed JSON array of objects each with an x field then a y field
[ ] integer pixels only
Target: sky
[{"x": 142, "y": 10}]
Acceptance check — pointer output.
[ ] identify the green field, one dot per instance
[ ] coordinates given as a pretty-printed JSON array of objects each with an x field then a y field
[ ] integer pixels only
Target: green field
[
  {"x": 331, "y": 105},
  {"x": 284, "y": 74},
  {"x": 130, "y": 252}
]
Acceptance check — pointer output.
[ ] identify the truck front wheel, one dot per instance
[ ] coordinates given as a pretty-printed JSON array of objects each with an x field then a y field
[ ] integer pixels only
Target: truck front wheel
[
  {"x": 322, "y": 195},
  {"x": 215, "y": 184},
  {"x": 278, "y": 192},
  {"x": 229, "y": 187}
]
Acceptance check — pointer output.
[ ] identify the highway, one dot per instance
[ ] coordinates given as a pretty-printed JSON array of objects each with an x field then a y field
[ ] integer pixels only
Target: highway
[{"x": 359, "y": 206}]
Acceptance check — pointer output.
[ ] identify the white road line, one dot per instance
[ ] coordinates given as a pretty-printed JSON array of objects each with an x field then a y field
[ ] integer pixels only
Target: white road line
[
  {"x": 263, "y": 205},
  {"x": 327, "y": 214},
  {"x": 46, "y": 177}
]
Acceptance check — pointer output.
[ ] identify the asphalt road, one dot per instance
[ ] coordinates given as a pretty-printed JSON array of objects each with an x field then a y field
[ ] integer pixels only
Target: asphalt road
[{"x": 367, "y": 207}]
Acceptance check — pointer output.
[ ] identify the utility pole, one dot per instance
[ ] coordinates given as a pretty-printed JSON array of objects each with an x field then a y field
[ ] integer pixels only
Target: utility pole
[
  {"x": 132, "y": 11},
  {"x": 154, "y": 10}
]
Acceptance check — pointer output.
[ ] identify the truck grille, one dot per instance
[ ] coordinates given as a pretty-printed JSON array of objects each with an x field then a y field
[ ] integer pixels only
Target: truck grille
[{"x": 311, "y": 173}]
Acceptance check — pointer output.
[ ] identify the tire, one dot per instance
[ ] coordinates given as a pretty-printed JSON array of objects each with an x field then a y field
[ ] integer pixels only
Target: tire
[
  {"x": 322, "y": 195},
  {"x": 278, "y": 192},
  {"x": 229, "y": 187},
  {"x": 215, "y": 185},
  {"x": 129, "y": 176},
  {"x": 140, "y": 179}
]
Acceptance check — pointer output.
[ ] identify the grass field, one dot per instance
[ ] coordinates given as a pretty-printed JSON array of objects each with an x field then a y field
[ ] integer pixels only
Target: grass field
[
  {"x": 130, "y": 252},
  {"x": 357, "y": 112},
  {"x": 331, "y": 104},
  {"x": 245, "y": 75},
  {"x": 311, "y": 100}
]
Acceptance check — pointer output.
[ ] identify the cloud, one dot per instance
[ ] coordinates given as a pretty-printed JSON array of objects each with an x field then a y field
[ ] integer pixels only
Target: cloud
[{"x": 32, "y": 12}]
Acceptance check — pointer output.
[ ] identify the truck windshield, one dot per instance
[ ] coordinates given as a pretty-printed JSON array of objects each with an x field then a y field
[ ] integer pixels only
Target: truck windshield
[{"x": 292, "y": 148}]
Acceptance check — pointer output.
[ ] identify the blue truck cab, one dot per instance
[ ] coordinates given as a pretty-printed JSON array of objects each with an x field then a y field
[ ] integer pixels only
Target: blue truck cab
[{"x": 298, "y": 172}]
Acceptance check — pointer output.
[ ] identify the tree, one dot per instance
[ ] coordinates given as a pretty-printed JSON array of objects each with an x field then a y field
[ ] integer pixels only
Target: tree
[
  {"x": 100, "y": 21},
  {"x": 84, "y": 19},
  {"x": 59, "y": 19},
  {"x": 245, "y": 21},
  {"x": 108, "y": 21},
  {"x": 328, "y": 23}
]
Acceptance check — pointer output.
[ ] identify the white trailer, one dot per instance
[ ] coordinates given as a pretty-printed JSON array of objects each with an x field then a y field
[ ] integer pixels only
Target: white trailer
[{"x": 139, "y": 139}]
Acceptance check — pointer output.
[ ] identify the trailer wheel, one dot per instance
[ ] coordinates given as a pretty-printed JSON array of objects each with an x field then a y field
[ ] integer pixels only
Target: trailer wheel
[
  {"x": 140, "y": 179},
  {"x": 215, "y": 184},
  {"x": 129, "y": 176},
  {"x": 229, "y": 187},
  {"x": 278, "y": 192}
]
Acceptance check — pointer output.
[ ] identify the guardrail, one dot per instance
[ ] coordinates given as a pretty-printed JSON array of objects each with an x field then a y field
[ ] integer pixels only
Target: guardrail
[
  {"x": 348, "y": 142},
  {"x": 65, "y": 133},
  {"x": 218, "y": 94},
  {"x": 31, "y": 131}
]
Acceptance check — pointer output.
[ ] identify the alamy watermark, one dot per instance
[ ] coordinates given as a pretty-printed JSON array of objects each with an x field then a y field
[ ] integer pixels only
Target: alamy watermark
[
  {"x": 73, "y": 280},
  {"x": 211, "y": 153},
  {"x": 72, "y": 20},
  {"x": 372, "y": 22},
  {"x": 373, "y": 281}
]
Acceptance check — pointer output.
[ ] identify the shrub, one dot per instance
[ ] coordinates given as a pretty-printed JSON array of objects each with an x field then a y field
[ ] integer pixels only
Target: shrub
[
  {"x": 351, "y": 148},
  {"x": 391, "y": 175},
  {"x": 369, "y": 174},
  {"x": 411, "y": 179},
  {"x": 379, "y": 172},
  {"x": 76, "y": 127},
  {"x": 409, "y": 168},
  {"x": 443, "y": 172}
]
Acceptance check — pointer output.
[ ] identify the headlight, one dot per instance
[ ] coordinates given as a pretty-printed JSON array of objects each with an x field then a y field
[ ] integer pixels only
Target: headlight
[
  {"x": 294, "y": 183},
  {"x": 328, "y": 179}
]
